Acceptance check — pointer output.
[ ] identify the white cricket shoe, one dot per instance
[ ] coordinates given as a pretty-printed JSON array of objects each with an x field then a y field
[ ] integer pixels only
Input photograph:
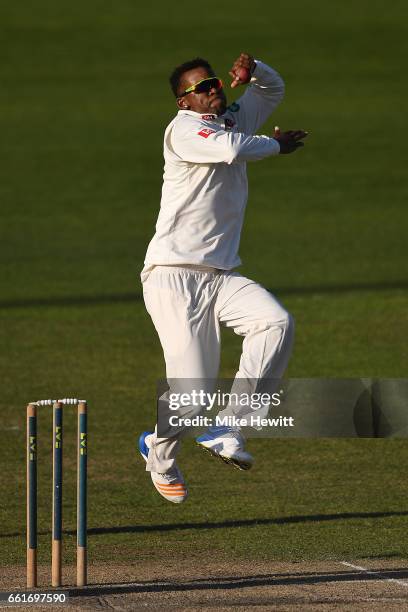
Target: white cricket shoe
[
  {"x": 227, "y": 444},
  {"x": 171, "y": 484}
]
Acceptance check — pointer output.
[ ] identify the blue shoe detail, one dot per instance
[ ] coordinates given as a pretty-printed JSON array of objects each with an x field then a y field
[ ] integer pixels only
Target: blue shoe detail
[
  {"x": 143, "y": 448},
  {"x": 211, "y": 434},
  {"x": 204, "y": 438}
]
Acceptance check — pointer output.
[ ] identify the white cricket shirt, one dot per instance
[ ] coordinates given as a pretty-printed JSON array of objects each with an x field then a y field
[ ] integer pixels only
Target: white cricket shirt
[{"x": 205, "y": 186}]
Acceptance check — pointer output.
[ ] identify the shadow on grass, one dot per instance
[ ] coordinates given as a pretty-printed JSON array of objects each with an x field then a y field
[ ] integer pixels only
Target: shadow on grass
[
  {"x": 285, "y": 520},
  {"x": 121, "y": 298},
  {"x": 239, "y": 582}
]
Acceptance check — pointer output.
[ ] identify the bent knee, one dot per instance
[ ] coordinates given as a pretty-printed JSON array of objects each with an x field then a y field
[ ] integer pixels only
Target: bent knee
[
  {"x": 286, "y": 322},
  {"x": 273, "y": 321}
]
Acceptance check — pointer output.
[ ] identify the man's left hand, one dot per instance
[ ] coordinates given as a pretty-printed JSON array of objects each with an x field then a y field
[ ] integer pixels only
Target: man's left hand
[{"x": 242, "y": 69}]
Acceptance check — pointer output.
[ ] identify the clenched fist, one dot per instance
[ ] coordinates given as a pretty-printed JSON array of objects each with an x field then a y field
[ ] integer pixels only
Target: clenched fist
[{"x": 242, "y": 69}]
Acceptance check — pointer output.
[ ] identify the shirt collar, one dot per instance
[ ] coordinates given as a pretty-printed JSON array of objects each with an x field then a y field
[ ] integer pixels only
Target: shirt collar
[{"x": 205, "y": 116}]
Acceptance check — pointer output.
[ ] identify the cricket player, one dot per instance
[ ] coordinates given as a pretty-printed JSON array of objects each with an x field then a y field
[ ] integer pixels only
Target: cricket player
[{"x": 190, "y": 283}]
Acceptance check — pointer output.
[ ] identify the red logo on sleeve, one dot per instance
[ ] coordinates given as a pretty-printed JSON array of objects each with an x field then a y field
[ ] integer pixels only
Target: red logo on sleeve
[{"x": 205, "y": 132}]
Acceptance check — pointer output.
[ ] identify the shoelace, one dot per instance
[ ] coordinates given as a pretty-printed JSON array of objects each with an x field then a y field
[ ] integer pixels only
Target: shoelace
[{"x": 235, "y": 435}]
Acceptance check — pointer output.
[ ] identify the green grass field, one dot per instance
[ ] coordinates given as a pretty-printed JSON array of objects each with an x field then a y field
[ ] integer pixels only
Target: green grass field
[{"x": 84, "y": 101}]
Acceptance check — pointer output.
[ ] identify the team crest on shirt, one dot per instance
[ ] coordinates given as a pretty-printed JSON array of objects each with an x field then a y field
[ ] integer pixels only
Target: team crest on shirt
[
  {"x": 205, "y": 132},
  {"x": 229, "y": 124},
  {"x": 234, "y": 107}
]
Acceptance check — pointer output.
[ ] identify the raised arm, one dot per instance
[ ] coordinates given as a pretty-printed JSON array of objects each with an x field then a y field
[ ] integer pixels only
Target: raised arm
[{"x": 263, "y": 94}]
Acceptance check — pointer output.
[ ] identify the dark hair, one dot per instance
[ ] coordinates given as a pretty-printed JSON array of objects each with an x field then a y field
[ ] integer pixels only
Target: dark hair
[{"x": 178, "y": 72}]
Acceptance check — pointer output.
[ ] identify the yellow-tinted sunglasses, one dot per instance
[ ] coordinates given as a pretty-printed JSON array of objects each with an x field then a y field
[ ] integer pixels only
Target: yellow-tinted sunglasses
[{"x": 203, "y": 86}]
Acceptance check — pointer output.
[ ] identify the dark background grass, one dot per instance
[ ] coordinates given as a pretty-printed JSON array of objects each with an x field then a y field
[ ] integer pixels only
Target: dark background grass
[{"x": 84, "y": 101}]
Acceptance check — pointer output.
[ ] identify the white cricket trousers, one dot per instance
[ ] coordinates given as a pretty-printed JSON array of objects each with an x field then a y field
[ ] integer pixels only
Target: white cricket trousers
[{"x": 188, "y": 304}]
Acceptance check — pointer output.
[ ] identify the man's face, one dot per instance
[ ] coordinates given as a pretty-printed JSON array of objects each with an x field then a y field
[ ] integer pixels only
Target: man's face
[{"x": 214, "y": 102}]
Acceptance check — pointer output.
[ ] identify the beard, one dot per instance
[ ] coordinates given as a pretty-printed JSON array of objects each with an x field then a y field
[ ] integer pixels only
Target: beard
[{"x": 219, "y": 105}]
